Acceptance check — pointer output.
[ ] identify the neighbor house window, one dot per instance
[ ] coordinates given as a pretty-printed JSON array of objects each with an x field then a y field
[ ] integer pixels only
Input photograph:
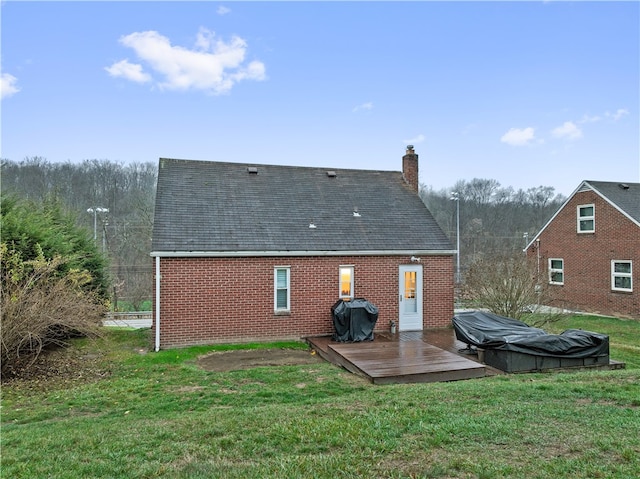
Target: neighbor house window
[
  {"x": 621, "y": 279},
  {"x": 586, "y": 219},
  {"x": 556, "y": 271},
  {"x": 346, "y": 282},
  {"x": 281, "y": 290}
]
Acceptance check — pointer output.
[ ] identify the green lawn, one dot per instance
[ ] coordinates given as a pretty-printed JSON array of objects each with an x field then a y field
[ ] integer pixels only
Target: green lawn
[{"x": 159, "y": 415}]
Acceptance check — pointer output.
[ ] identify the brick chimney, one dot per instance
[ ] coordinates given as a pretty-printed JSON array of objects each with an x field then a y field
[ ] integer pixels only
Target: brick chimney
[{"x": 410, "y": 168}]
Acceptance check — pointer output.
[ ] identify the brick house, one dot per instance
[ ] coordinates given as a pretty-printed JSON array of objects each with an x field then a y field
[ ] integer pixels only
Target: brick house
[
  {"x": 248, "y": 252},
  {"x": 589, "y": 251}
]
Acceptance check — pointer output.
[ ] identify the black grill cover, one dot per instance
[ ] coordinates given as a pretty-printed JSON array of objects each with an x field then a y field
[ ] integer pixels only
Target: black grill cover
[
  {"x": 354, "y": 320},
  {"x": 490, "y": 331}
]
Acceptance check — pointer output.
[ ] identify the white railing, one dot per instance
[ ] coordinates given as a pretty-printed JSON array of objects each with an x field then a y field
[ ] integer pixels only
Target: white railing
[{"x": 131, "y": 319}]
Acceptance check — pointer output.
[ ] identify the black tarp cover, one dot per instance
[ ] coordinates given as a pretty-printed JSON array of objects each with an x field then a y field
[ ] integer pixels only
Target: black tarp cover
[
  {"x": 490, "y": 331},
  {"x": 354, "y": 320}
]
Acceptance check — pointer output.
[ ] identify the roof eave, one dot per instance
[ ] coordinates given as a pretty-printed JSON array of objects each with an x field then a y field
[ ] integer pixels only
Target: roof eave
[{"x": 252, "y": 254}]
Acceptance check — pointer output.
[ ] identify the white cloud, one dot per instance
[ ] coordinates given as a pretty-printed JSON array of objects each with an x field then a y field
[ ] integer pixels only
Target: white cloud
[
  {"x": 413, "y": 141},
  {"x": 8, "y": 85},
  {"x": 518, "y": 136},
  {"x": 568, "y": 130},
  {"x": 589, "y": 119},
  {"x": 129, "y": 71},
  {"x": 222, "y": 10},
  {"x": 619, "y": 113},
  {"x": 615, "y": 116},
  {"x": 364, "y": 106},
  {"x": 214, "y": 65}
]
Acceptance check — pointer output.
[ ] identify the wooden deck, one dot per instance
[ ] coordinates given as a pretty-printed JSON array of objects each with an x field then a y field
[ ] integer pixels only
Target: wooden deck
[{"x": 406, "y": 357}]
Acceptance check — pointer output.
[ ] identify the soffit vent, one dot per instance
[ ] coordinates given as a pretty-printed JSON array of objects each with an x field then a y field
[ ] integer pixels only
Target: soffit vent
[{"x": 252, "y": 170}]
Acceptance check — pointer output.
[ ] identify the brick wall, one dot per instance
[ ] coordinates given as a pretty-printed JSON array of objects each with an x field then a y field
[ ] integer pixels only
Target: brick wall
[
  {"x": 587, "y": 258},
  {"x": 223, "y": 300}
]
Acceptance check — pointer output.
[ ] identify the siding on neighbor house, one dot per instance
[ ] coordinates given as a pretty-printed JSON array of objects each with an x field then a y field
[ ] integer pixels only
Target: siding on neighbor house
[
  {"x": 587, "y": 257},
  {"x": 223, "y": 300}
]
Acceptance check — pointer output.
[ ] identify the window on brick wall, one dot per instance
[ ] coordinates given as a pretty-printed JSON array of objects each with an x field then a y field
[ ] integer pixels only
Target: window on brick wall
[
  {"x": 586, "y": 219},
  {"x": 621, "y": 278},
  {"x": 556, "y": 271},
  {"x": 346, "y": 282},
  {"x": 281, "y": 289}
]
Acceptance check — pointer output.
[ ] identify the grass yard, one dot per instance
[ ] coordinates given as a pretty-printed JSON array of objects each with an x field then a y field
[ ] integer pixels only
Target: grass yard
[{"x": 149, "y": 415}]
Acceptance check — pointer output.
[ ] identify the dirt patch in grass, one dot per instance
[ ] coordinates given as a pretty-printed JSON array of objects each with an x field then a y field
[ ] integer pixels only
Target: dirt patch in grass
[
  {"x": 252, "y": 358},
  {"x": 58, "y": 368}
]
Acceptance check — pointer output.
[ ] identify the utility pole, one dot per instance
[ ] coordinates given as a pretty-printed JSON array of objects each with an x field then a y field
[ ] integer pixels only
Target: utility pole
[
  {"x": 95, "y": 212},
  {"x": 456, "y": 197}
]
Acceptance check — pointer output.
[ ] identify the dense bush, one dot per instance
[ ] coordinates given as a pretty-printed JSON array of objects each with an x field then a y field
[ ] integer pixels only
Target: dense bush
[
  {"x": 33, "y": 228},
  {"x": 52, "y": 283}
]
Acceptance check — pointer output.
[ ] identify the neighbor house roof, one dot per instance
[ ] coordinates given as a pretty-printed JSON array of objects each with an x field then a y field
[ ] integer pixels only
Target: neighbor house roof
[
  {"x": 219, "y": 208},
  {"x": 625, "y": 197}
]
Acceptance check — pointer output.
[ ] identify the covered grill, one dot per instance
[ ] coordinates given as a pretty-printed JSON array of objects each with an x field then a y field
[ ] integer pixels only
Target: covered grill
[{"x": 354, "y": 320}]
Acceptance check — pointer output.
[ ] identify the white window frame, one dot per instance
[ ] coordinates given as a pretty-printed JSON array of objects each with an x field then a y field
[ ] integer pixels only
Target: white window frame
[
  {"x": 351, "y": 285},
  {"x": 580, "y": 218},
  {"x": 616, "y": 274},
  {"x": 556, "y": 270},
  {"x": 287, "y": 308}
]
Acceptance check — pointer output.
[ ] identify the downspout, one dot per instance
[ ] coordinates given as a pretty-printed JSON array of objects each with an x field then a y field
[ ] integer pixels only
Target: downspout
[
  {"x": 157, "y": 303},
  {"x": 538, "y": 287}
]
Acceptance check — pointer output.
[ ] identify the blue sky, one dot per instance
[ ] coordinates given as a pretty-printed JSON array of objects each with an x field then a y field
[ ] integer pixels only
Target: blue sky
[{"x": 527, "y": 93}]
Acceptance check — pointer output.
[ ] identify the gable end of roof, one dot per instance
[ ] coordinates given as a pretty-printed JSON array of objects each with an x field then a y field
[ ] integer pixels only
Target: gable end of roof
[{"x": 625, "y": 197}]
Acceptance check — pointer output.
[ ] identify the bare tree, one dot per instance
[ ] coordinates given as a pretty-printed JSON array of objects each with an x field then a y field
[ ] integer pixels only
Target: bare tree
[
  {"x": 508, "y": 285},
  {"x": 479, "y": 191}
]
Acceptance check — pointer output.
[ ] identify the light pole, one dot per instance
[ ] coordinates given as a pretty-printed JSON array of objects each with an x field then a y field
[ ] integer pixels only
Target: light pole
[
  {"x": 95, "y": 212},
  {"x": 456, "y": 197}
]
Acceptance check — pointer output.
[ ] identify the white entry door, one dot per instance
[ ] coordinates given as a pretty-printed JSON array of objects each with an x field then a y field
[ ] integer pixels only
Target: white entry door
[{"x": 410, "y": 317}]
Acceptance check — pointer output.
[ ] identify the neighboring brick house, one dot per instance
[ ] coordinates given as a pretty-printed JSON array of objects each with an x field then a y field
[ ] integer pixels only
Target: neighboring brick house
[
  {"x": 589, "y": 251},
  {"x": 249, "y": 252}
]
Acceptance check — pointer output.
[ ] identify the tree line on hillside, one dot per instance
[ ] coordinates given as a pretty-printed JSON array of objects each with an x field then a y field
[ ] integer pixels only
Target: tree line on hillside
[{"x": 492, "y": 218}]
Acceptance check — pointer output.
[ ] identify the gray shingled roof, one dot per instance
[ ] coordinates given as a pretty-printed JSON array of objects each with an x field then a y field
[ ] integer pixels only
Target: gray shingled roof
[
  {"x": 217, "y": 207},
  {"x": 627, "y": 199}
]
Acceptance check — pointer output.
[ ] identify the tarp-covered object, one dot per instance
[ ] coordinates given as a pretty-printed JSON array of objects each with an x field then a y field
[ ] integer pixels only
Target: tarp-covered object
[
  {"x": 354, "y": 320},
  {"x": 490, "y": 331}
]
